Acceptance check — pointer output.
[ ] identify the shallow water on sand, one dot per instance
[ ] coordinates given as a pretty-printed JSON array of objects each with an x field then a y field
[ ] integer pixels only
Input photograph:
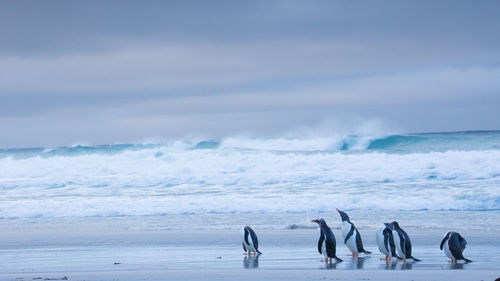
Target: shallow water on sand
[
  {"x": 115, "y": 258},
  {"x": 132, "y": 243}
]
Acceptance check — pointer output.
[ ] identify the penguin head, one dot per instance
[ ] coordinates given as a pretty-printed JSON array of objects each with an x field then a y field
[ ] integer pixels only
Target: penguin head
[
  {"x": 321, "y": 221},
  {"x": 389, "y": 226},
  {"x": 395, "y": 225},
  {"x": 343, "y": 215}
]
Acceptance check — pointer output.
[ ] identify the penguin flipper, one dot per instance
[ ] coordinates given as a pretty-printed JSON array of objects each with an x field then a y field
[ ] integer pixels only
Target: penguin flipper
[
  {"x": 444, "y": 240},
  {"x": 338, "y": 259},
  {"x": 246, "y": 235},
  {"x": 320, "y": 241},
  {"x": 392, "y": 245},
  {"x": 387, "y": 241},
  {"x": 244, "y": 248},
  {"x": 351, "y": 232}
]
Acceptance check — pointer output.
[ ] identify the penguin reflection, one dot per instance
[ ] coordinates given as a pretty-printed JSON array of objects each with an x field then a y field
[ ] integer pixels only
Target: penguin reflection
[
  {"x": 251, "y": 261},
  {"x": 328, "y": 266},
  {"x": 390, "y": 264},
  {"x": 456, "y": 266},
  {"x": 395, "y": 265},
  {"x": 406, "y": 265},
  {"x": 357, "y": 263}
]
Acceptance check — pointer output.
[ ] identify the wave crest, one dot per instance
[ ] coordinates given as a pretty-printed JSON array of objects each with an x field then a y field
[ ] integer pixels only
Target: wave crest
[{"x": 238, "y": 175}]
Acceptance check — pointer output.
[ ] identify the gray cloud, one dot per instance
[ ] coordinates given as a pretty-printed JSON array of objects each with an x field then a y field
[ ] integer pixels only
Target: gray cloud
[{"x": 106, "y": 71}]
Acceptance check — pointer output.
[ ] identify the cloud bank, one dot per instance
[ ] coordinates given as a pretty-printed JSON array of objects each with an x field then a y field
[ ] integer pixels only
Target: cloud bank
[{"x": 126, "y": 70}]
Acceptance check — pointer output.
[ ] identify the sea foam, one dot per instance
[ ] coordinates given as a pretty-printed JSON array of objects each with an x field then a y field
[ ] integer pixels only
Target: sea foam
[{"x": 238, "y": 175}]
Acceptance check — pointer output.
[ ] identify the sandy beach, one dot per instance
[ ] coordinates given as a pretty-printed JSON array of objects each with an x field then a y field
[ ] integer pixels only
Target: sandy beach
[{"x": 124, "y": 249}]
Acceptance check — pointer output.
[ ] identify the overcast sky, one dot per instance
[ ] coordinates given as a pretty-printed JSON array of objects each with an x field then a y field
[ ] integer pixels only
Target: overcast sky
[{"x": 124, "y": 71}]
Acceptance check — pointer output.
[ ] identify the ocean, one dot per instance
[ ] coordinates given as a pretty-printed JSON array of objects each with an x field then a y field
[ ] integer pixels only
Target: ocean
[
  {"x": 451, "y": 172},
  {"x": 108, "y": 212}
]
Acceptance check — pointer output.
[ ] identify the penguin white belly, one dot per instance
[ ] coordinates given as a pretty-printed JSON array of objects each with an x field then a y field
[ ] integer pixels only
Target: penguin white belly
[
  {"x": 242, "y": 235},
  {"x": 397, "y": 241},
  {"x": 251, "y": 247},
  {"x": 447, "y": 251},
  {"x": 351, "y": 242},
  {"x": 379, "y": 235}
]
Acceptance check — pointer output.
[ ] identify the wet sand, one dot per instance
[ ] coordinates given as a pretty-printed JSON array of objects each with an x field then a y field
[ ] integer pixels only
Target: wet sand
[
  {"x": 240, "y": 274},
  {"x": 95, "y": 251}
]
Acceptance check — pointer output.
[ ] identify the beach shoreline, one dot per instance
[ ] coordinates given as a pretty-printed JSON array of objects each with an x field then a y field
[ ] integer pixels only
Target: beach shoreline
[{"x": 124, "y": 249}]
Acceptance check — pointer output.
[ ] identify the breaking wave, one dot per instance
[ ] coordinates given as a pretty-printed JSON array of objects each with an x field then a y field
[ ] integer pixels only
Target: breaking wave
[{"x": 445, "y": 171}]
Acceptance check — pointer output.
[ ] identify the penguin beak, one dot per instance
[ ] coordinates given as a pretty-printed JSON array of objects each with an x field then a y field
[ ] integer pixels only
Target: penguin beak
[
  {"x": 316, "y": 221},
  {"x": 338, "y": 210}
]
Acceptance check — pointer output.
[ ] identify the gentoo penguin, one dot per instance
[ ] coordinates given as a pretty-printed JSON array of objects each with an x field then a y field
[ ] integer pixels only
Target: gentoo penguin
[
  {"x": 249, "y": 240},
  {"x": 453, "y": 245},
  {"x": 402, "y": 242},
  {"x": 352, "y": 238},
  {"x": 326, "y": 242},
  {"x": 385, "y": 241}
]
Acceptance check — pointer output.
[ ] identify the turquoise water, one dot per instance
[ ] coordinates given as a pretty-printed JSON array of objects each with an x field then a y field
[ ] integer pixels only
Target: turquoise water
[{"x": 239, "y": 175}]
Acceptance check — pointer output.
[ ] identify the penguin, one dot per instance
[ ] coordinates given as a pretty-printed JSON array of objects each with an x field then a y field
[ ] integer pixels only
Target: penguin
[
  {"x": 453, "y": 245},
  {"x": 326, "y": 242},
  {"x": 249, "y": 241},
  {"x": 385, "y": 241},
  {"x": 402, "y": 242},
  {"x": 352, "y": 238}
]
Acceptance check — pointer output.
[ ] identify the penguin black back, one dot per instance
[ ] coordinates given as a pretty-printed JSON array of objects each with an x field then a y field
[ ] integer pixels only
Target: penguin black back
[
  {"x": 253, "y": 236},
  {"x": 327, "y": 237},
  {"x": 456, "y": 244},
  {"x": 405, "y": 241},
  {"x": 349, "y": 231},
  {"x": 249, "y": 239}
]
